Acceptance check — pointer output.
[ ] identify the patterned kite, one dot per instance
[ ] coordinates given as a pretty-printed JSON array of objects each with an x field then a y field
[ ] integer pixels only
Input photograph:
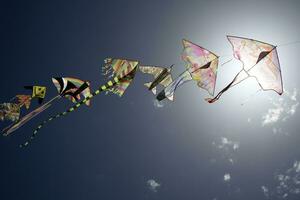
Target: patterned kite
[
  {"x": 201, "y": 66},
  {"x": 38, "y": 92},
  {"x": 260, "y": 60},
  {"x": 122, "y": 70},
  {"x": 24, "y": 100},
  {"x": 161, "y": 75},
  {"x": 119, "y": 68},
  {"x": 9, "y": 111}
]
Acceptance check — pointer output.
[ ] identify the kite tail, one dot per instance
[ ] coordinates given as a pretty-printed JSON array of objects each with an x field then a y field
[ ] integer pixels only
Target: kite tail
[{"x": 104, "y": 87}]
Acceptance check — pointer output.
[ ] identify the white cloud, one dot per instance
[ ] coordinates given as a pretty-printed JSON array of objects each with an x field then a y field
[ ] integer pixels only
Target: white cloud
[
  {"x": 153, "y": 185},
  {"x": 227, "y": 148},
  {"x": 265, "y": 191},
  {"x": 296, "y": 166},
  {"x": 283, "y": 108},
  {"x": 227, "y": 177},
  {"x": 226, "y": 143},
  {"x": 272, "y": 115},
  {"x": 287, "y": 183}
]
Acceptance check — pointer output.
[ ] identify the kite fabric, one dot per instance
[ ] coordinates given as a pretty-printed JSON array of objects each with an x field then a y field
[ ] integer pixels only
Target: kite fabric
[
  {"x": 162, "y": 76},
  {"x": 202, "y": 64},
  {"x": 260, "y": 60},
  {"x": 123, "y": 69},
  {"x": 168, "y": 92}
]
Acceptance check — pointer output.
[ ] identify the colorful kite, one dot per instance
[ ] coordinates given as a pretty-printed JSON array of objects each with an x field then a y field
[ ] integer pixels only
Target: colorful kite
[
  {"x": 9, "y": 111},
  {"x": 122, "y": 70},
  {"x": 38, "y": 92},
  {"x": 119, "y": 68},
  {"x": 161, "y": 75},
  {"x": 260, "y": 60},
  {"x": 24, "y": 100},
  {"x": 201, "y": 66},
  {"x": 72, "y": 88}
]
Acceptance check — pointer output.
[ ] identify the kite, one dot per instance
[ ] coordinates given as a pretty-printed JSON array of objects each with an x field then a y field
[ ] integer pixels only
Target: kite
[
  {"x": 24, "y": 100},
  {"x": 70, "y": 88},
  {"x": 161, "y": 76},
  {"x": 168, "y": 92},
  {"x": 38, "y": 92},
  {"x": 260, "y": 60},
  {"x": 201, "y": 66},
  {"x": 121, "y": 70},
  {"x": 9, "y": 111}
]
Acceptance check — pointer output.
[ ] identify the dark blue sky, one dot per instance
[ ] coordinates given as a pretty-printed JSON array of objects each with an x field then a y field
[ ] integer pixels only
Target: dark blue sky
[{"x": 112, "y": 149}]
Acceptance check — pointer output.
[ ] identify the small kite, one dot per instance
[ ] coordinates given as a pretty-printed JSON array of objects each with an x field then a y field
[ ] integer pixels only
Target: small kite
[
  {"x": 122, "y": 71},
  {"x": 71, "y": 88},
  {"x": 168, "y": 92},
  {"x": 9, "y": 111},
  {"x": 201, "y": 66},
  {"x": 161, "y": 75},
  {"x": 24, "y": 100},
  {"x": 260, "y": 60},
  {"x": 38, "y": 92},
  {"x": 119, "y": 68}
]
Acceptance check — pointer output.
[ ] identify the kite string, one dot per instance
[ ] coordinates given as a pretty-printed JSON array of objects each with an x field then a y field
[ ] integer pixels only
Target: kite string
[
  {"x": 289, "y": 43},
  {"x": 224, "y": 63}
]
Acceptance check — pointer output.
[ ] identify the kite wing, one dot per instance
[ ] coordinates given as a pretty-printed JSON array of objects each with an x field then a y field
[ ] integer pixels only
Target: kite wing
[
  {"x": 202, "y": 64},
  {"x": 168, "y": 92},
  {"x": 167, "y": 81},
  {"x": 72, "y": 88},
  {"x": 260, "y": 60},
  {"x": 153, "y": 70}
]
